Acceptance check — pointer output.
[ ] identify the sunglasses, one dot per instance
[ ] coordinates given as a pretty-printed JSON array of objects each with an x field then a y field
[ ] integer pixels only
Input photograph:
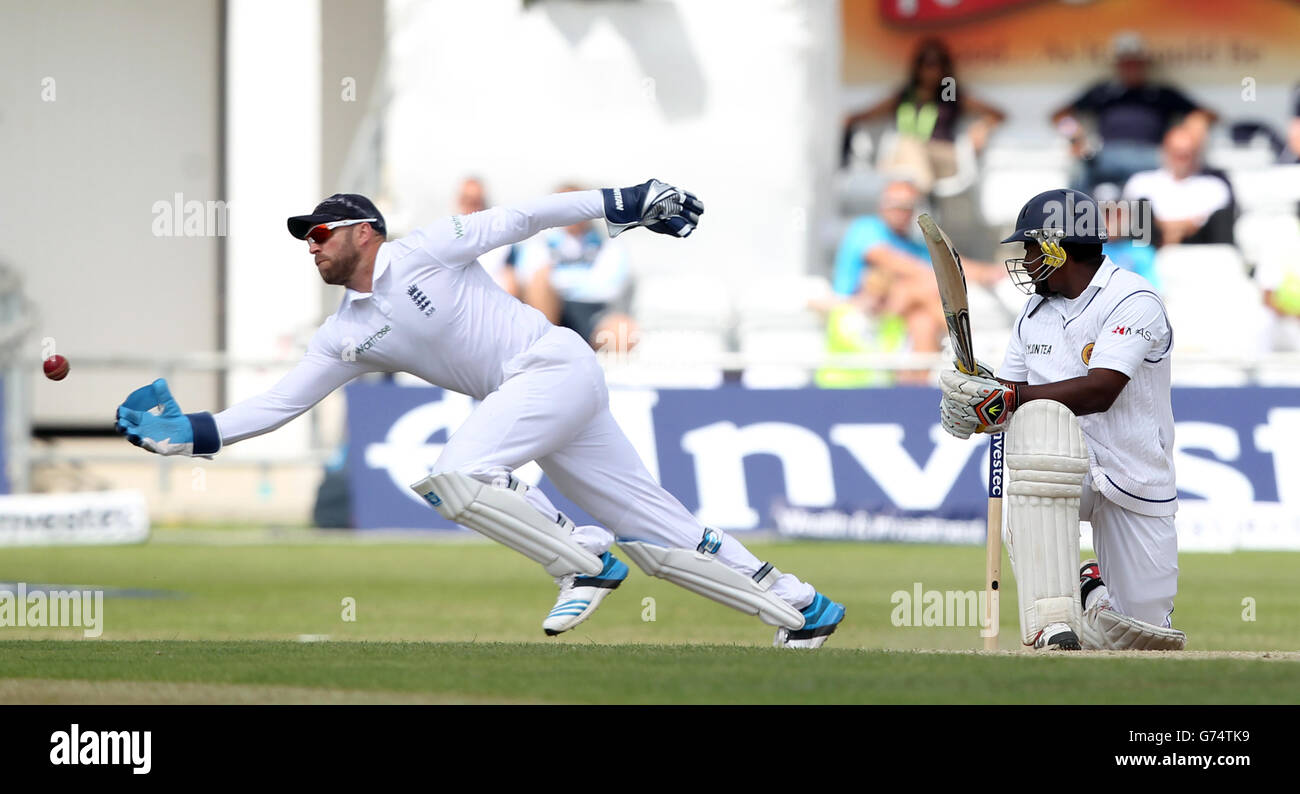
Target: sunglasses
[{"x": 321, "y": 232}]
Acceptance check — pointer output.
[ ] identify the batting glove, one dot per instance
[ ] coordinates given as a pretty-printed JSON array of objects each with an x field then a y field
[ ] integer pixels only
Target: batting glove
[
  {"x": 981, "y": 369},
  {"x": 659, "y": 207},
  {"x": 989, "y": 402},
  {"x": 958, "y": 419},
  {"x": 151, "y": 418}
]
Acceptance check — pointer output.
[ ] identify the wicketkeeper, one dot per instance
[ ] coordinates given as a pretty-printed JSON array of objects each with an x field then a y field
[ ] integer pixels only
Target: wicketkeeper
[
  {"x": 423, "y": 305},
  {"x": 1083, "y": 396}
]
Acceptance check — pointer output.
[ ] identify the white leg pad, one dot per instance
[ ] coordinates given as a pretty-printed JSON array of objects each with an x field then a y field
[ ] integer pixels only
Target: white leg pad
[
  {"x": 504, "y": 515},
  {"x": 1104, "y": 629},
  {"x": 702, "y": 573},
  {"x": 1046, "y": 462}
]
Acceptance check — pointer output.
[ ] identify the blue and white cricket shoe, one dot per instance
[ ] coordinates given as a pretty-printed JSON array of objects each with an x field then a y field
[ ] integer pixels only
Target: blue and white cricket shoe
[
  {"x": 821, "y": 617},
  {"x": 580, "y": 595}
]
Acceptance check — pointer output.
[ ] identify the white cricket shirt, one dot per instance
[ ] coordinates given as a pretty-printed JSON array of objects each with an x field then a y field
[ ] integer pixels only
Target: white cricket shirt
[
  {"x": 1118, "y": 322},
  {"x": 428, "y": 314}
]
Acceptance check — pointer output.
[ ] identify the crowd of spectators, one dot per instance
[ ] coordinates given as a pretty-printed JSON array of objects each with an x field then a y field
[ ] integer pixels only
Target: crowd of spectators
[{"x": 1137, "y": 144}]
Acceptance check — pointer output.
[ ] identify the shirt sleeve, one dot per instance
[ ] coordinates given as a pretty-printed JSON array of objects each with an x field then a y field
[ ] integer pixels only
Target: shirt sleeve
[
  {"x": 457, "y": 240},
  {"x": 1013, "y": 363},
  {"x": 1136, "y": 330},
  {"x": 325, "y": 368}
]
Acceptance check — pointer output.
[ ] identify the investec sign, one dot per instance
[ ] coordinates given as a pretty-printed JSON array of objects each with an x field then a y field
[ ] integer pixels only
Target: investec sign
[{"x": 869, "y": 464}]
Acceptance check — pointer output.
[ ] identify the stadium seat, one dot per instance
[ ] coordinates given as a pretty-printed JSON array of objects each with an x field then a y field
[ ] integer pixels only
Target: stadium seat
[
  {"x": 681, "y": 359},
  {"x": 858, "y": 192},
  {"x": 1258, "y": 232},
  {"x": 1197, "y": 269},
  {"x": 1055, "y": 157},
  {"x": 683, "y": 302},
  {"x": 1003, "y": 191},
  {"x": 1215, "y": 310},
  {"x": 1276, "y": 188},
  {"x": 787, "y": 347},
  {"x": 1232, "y": 158},
  {"x": 780, "y": 301}
]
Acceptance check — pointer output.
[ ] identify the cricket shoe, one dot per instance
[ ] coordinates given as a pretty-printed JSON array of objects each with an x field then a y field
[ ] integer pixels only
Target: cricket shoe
[
  {"x": 820, "y": 618},
  {"x": 1057, "y": 637},
  {"x": 580, "y": 595},
  {"x": 1090, "y": 581}
]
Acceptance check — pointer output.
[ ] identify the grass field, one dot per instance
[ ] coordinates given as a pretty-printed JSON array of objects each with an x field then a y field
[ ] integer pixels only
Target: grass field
[{"x": 191, "y": 621}]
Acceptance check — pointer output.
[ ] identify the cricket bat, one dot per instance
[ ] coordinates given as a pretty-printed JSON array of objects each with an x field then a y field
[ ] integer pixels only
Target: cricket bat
[{"x": 952, "y": 293}]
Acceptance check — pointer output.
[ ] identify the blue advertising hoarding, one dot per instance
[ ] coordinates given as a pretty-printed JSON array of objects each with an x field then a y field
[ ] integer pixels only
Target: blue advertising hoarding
[{"x": 869, "y": 464}]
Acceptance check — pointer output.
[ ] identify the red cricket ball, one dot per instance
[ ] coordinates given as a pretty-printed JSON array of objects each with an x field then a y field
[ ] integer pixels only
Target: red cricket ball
[{"x": 56, "y": 367}]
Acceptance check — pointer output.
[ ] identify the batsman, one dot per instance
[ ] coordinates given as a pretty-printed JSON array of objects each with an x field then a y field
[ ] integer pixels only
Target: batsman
[{"x": 1083, "y": 397}]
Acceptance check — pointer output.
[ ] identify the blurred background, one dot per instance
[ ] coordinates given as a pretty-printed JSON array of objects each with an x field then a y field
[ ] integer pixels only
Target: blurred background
[{"x": 775, "y": 370}]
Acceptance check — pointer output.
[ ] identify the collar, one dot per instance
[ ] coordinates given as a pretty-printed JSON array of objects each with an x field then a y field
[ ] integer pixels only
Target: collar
[
  {"x": 382, "y": 258},
  {"x": 1099, "y": 281}
]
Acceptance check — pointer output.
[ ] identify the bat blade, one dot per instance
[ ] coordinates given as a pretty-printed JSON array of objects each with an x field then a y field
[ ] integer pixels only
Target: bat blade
[{"x": 952, "y": 291}]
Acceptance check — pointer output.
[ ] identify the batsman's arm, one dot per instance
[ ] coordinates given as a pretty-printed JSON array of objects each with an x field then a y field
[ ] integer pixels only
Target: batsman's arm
[{"x": 1093, "y": 393}]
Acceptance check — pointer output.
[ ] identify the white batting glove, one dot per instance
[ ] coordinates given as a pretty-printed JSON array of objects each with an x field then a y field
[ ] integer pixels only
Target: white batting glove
[
  {"x": 981, "y": 369},
  {"x": 989, "y": 401},
  {"x": 959, "y": 420}
]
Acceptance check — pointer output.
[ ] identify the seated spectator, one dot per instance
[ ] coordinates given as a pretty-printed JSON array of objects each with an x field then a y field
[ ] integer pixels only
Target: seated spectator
[
  {"x": 1189, "y": 206},
  {"x": 578, "y": 277},
  {"x": 1131, "y": 243},
  {"x": 1132, "y": 114},
  {"x": 499, "y": 263},
  {"x": 926, "y": 111},
  {"x": 884, "y": 270}
]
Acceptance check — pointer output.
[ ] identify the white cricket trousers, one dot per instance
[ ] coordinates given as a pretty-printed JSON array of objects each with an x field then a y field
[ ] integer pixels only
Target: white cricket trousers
[
  {"x": 1137, "y": 555},
  {"x": 553, "y": 407}
]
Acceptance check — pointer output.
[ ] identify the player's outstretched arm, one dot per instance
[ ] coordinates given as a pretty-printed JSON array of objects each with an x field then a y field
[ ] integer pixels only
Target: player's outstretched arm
[
  {"x": 458, "y": 240},
  {"x": 151, "y": 418}
]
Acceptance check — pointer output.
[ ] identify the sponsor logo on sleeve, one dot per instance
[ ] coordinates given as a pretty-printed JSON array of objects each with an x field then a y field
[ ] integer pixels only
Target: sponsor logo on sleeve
[
  {"x": 373, "y": 339},
  {"x": 1128, "y": 330}
]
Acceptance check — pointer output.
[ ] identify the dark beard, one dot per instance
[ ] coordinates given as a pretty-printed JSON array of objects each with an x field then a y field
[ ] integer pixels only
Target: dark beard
[{"x": 343, "y": 266}]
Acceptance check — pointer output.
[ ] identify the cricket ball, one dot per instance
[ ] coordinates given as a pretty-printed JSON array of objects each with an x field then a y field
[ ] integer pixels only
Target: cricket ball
[{"x": 56, "y": 368}]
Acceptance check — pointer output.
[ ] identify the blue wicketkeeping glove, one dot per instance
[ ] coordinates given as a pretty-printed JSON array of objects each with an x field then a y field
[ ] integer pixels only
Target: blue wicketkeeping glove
[
  {"x": 658, "y": 207},
  {"x": 151, "y": 418}
]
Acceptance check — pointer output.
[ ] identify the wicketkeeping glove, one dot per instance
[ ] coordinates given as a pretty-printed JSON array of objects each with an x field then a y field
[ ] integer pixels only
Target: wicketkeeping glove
[
  {"x": 987, "y": 401},
  {"x": 659, "y": 207},
  {"x": 151, "y": 418}
]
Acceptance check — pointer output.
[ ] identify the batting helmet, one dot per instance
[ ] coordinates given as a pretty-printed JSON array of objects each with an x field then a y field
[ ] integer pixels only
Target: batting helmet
[{"x": 1050, "y": 219}]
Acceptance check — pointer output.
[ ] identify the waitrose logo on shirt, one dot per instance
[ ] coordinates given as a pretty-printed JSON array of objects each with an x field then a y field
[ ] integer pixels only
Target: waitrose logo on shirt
[{"x": 373, "y": 339}]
